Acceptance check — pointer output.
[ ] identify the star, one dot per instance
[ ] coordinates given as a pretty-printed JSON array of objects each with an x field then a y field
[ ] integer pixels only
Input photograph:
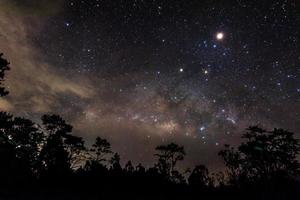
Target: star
[
  {"x": 220, "y": 36},
  {"x": 202, "y": 128}
]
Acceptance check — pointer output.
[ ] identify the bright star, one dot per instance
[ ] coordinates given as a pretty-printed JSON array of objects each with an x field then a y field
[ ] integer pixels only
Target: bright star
[
  {"x": 220, "y": 36},
  {"x": 202, "y": 128}
]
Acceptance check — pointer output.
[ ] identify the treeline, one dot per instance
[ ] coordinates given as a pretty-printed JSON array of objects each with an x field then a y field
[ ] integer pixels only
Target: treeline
[{"x": 45, "y": 161}]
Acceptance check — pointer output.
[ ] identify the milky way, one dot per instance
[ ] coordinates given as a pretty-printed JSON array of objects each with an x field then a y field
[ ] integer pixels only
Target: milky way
[{"x": 141, "y": 73}]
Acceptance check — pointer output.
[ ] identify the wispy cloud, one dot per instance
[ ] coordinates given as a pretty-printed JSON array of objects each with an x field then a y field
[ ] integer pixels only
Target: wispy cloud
[{"x": 32, "y": 82}]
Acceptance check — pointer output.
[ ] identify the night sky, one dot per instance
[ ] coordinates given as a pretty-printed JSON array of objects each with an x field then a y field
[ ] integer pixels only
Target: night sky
[{"x": 146, "y": 72}]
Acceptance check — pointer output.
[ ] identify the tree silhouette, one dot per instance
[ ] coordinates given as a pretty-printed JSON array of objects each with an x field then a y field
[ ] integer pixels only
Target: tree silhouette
[
  {"x": 262, "y": 155},
  {"x": 7, "y": 150},
  {"x": 27, "y": 138},
  {"x": 7, "y": 146},
  {"x": 20, "y": 141},
  {"x": 115, "y": 163},
  {"x": 140, "y": 169},
  {"x": 76, "y": 149},
  {"x": 55, "y": 125},
  {"x": 55, "y": 157},
  {"x": 168, "y": 156},
  {"x": 101, "y": 149},
  {"x": 56, "y": 154},
  {"x": 199, "y": 177},
  {"x": 129, "y": 167},
  {"x": 4, "y": 66}
]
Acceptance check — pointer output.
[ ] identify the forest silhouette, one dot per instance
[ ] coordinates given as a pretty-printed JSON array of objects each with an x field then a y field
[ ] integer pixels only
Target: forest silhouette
[{"x": 45, "y": 161}]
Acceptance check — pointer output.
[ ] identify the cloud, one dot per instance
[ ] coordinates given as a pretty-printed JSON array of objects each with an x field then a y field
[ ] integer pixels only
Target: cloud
[
  {"x": 34, "y": 84},
  {"x": 32, "y": 7}
]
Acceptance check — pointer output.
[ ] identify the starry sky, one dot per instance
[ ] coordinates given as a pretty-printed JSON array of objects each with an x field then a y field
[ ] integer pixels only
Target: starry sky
[{"x": 146, "y": 72}]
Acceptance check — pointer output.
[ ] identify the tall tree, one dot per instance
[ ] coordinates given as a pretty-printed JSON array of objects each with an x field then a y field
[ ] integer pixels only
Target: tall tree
[
  {"x": 61, "y": 149},
  {"x": 100, "y": 150},
  {"x": 28, "y": 139},
  {"x": 20, "y": 142},
  {"x": 168, "y": 155},
  {"x": 54, "y": 157}
]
